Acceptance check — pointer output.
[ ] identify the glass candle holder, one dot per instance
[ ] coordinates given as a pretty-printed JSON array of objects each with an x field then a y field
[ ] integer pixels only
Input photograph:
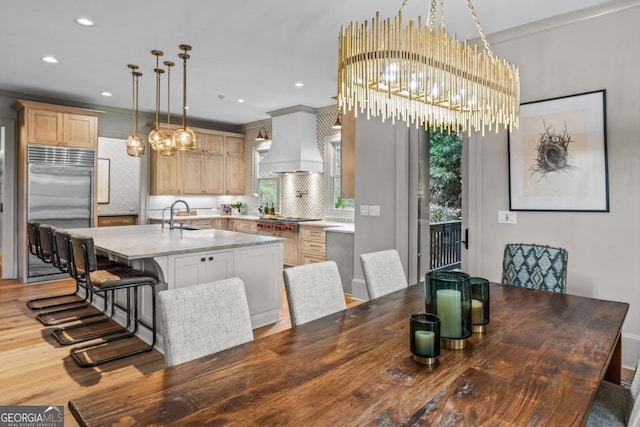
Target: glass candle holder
[
  {"x": 424, "y": 337},
  {"x": 448, "y": 295},
  {"x": 479, "y": 303}
]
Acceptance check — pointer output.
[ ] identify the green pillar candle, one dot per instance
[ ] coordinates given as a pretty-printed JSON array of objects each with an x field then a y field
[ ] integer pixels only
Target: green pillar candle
[
  {"x": 424, "y": 343},
  {"x": 449, "y": 312}
]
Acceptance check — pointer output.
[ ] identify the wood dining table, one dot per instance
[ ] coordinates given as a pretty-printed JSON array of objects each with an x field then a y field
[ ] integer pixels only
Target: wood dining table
[{"x": 538, "y": 363}]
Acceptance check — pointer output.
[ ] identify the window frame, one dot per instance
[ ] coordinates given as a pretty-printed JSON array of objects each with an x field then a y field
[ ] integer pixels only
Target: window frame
[
  {"x": 329, "y": 175},
  {"x": 258, "y": 149}
]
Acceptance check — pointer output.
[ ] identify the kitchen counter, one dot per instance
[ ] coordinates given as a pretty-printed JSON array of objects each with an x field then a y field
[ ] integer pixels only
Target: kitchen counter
[
  {"x": 342, "y": 228},
  {"x": 181, "y": 258},
  {"x": 148, "y": 241}
]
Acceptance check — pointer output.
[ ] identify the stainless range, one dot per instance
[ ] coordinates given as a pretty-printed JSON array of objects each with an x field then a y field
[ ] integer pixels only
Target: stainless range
[{"x": 281, "y": 223}]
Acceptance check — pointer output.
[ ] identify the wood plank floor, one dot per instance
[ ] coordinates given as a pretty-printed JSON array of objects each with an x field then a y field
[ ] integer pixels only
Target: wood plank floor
[{"x": 36, "y": 370}]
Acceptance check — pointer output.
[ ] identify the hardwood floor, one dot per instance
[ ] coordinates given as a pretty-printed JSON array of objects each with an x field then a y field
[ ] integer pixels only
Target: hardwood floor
[{"x": 36, "y": 370}]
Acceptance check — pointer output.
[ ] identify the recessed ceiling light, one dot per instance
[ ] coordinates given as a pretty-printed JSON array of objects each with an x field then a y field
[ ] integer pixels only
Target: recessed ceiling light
[
  {"x": 298, "y": 84},
  {"x": 241, "y": 101},
  {"x": 106, "y": 93},
  {"x": 85, "y": 22},
  {"x": 49, "y": 59}
]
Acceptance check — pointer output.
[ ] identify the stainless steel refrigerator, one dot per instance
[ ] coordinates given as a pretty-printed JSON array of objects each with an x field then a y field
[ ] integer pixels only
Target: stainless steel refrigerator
[{"x": 59, "y": 193}]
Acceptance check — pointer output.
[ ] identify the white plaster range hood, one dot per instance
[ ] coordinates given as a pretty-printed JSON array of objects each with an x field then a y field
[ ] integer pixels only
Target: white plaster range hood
[{"x": 293, "y": 143}]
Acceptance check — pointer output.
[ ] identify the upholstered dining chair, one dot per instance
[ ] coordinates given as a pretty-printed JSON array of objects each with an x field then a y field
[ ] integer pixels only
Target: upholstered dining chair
[
  {"x": 204, "y": 319},
  {"x": 535, "y": 267},
  {"x": 313, "y": 291},
  {"x": 383, "y": 272},
  {"x": 616, "y": 405}
]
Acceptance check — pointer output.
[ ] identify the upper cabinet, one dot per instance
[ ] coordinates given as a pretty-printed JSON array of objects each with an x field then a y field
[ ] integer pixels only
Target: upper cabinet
[
  {"x": 215, "y": 167},
  {"x": 48, "y": 124}
]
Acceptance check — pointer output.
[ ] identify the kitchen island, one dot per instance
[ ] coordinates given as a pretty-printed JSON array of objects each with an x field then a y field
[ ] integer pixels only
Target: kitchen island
[{"x": 180, "y": 258}]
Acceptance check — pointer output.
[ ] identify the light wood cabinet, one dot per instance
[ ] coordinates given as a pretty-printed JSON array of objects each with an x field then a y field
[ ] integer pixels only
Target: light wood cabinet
[
  {"x": 290, "y": 244},
  {"x": 216, "y": 166},
  {"x": 116, "y": 220},
  {"x": 243, "y": 226},
  {"x": 57, "y": 125},
  {"x": 312, "y": 244}
]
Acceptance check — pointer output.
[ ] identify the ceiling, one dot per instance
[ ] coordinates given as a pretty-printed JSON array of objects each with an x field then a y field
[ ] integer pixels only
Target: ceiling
[{"x": 242, "y": 49}]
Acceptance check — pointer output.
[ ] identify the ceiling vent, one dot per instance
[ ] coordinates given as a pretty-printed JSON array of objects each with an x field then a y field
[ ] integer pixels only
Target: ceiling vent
[{"x": 293, "y": 143}]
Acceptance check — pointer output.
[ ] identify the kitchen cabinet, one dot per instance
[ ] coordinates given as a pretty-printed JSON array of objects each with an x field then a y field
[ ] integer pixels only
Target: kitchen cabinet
[
  {"x": 48, "y": 124},
  {"x": 202, "y": 268},
  {"x": 243, "y": 226},
  {"x": 216, "y": 166},
  {"x": 312, "y": 244},
  {"x": 116, "y": 220},
  {"x": 290, "y": 244}
]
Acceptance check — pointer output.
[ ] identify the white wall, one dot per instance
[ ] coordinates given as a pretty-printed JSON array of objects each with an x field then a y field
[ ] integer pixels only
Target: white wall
[
  {"x": 124, "y": 178},
  {"x": 588, "y": 54}
]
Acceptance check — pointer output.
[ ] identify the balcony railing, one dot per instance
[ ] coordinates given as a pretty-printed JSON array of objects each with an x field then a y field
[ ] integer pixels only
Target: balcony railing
[{"x": 446, "y": 244}]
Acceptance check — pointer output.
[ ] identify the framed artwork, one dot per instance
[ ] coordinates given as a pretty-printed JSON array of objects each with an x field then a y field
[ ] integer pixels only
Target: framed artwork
[
  {"x": 103, "y": 181},
  {"x": 558, "y": 157}
]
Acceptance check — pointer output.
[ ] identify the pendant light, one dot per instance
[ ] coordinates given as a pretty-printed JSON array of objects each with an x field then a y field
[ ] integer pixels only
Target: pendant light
[
  {"x": 260, "y": 136},
  {"x": 135, "y": 146},
  {"x": 167, "y": 147},
  {"x": 184, "y": 138},
  {"x": 338, "y": 123},
  {"x": 156, "y": 136}
]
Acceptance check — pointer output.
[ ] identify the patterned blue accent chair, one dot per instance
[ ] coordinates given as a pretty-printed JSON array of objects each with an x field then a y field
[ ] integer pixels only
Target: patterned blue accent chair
[{"x": 535, "y": 267}]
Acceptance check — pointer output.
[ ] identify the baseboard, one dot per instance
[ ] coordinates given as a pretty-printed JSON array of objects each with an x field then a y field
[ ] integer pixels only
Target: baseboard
[
  {"x": 630, "y": 351},
  {"x": 359, "y": 290}
]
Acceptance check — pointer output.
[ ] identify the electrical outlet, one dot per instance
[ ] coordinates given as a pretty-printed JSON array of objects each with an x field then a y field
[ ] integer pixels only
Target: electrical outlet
[
  {"x": 507, "y": 217},
  {"x": 364, "y": 210},
  {"x": 374, "y": 210}
]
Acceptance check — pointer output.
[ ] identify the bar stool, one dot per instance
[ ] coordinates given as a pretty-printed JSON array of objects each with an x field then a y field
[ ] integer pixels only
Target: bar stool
[
  {"x": 63, "y": 259},
  {"x": 47, "y": 245},
  {"x": 107, "y": 281},
  {"x": 33, "y": 236}
]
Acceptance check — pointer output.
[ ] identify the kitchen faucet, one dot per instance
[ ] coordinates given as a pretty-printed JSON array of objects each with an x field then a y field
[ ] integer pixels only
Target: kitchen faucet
[{"x": 171, "y": 214}]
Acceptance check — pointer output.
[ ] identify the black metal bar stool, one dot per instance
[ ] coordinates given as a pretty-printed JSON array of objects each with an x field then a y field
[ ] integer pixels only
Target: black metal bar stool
[
  {"x": 62, "y": 256},
  {"x": 107, "y": 281},
  {"x": 48, "y": 248}
]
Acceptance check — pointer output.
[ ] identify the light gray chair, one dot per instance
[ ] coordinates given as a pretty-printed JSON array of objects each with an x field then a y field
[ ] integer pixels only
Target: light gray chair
[
  {"x": 383, "y": 272},
  {"x": 204, "y": 319},
  {"x": 616, "y": 405},
  {"x": 313, "y": 291}
]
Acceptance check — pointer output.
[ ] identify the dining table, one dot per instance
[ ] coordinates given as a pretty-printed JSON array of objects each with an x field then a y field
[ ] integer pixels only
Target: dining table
[{"x": 538, "y": 363}]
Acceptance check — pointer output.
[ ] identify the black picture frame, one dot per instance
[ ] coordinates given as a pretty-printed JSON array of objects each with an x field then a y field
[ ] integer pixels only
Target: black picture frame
[{"x": 558, "y": 156}]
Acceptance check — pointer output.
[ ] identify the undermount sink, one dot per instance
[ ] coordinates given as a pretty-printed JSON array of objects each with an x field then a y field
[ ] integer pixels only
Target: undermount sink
[{"x": 187, "y": 227}]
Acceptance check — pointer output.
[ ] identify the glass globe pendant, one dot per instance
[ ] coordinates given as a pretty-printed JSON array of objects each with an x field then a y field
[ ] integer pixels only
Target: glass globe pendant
[
  {"x": 135, "y": 146},
  {"x": 166, "y": 146},
  {"x": 156, "y": 136},
  {"x": 184, "y": 138}
]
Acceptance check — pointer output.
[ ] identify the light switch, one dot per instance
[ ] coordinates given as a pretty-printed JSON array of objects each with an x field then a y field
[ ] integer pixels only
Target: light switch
[
  {"x": 364, "y": 210},
  {"x": 374, "y": 210},
  {"x": 507, "y": 217}
]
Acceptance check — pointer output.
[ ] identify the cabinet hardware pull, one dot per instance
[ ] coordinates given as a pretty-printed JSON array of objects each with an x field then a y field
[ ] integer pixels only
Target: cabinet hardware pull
[
  {"x": 202, "y": 259},
  {"x": 210, "y": 258}
]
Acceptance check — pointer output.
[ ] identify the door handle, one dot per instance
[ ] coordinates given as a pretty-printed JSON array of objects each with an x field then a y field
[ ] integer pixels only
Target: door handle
[{"x": 466, "y": 239}]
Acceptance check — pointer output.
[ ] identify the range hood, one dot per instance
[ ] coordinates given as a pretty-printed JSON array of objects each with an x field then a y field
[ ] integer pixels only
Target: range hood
[{"x": 293, "y": 143}]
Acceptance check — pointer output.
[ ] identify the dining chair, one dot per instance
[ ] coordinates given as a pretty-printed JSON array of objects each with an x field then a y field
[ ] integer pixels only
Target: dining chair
[
  {"x": 535, "y": 267},
  {"x": 616, "y": 405},
  {"x": 203, "y": 319},
  {"x": 383, "y": 272},
  {"x": 313, "y": 291}
]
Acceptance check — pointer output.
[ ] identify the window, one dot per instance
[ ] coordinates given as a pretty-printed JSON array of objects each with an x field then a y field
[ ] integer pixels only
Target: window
[
  {"x": 266, "y": 183},
  {"x": 336, "y": 206}
]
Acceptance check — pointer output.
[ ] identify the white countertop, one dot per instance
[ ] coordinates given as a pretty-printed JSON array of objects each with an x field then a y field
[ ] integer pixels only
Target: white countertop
[
  {"x": 342, "y": 228},
  {"x": 148, "y": 241}
]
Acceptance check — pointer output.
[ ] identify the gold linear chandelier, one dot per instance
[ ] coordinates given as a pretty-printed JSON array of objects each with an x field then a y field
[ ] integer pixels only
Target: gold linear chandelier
[
  {"x": 419, "y": 73},
  {"x": 166, "y": 143}
]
